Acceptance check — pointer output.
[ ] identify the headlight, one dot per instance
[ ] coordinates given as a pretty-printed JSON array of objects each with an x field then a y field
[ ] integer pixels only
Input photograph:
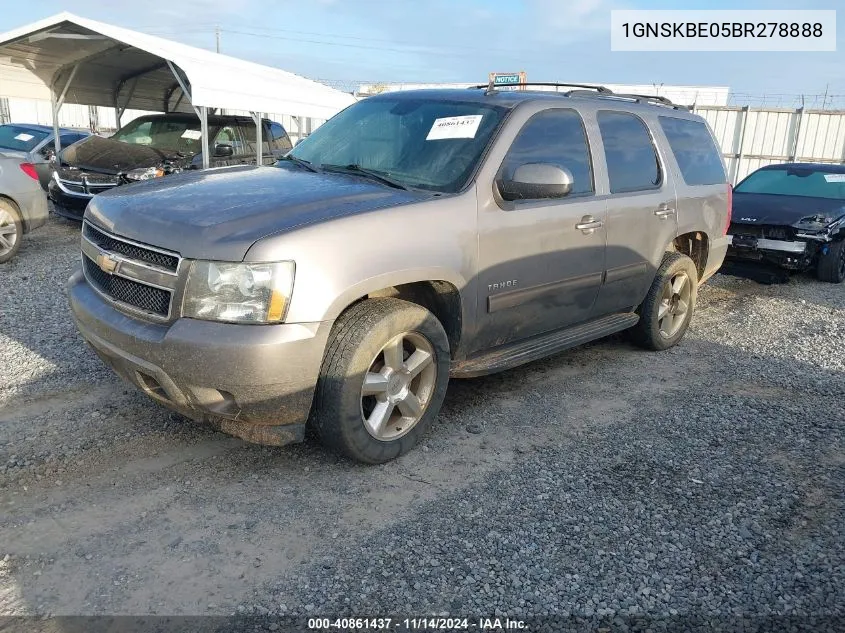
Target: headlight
[
  {"x": 238, "y": 292},
  {"x": 144, "y": 173},
  {"x": 817, "y": 222}
]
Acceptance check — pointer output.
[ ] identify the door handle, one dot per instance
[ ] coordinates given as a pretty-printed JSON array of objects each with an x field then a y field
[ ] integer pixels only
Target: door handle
[
  {"x": 664, "y": 211},
  {"x": 589, "y": 224}
]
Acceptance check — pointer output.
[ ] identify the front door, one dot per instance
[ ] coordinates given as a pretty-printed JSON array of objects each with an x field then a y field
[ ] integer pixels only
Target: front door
[
  {"x": 641, "y": 211},
  {"x": 541, "y": 261}
]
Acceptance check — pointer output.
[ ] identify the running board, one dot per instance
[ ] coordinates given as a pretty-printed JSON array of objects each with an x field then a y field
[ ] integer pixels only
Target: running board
[{"x": 537, "y": 347}]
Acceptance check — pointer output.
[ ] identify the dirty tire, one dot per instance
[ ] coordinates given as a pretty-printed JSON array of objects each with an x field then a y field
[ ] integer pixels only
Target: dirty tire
[
  {"x": 831, "y": 267},
  {"x": 648, "y": 333},
  {"x": 9, "y": 210},
  {"x": 357, "y": 338}
]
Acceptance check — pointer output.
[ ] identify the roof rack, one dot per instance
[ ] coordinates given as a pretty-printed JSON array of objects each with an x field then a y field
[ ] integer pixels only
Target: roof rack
[
  {"x": 601, "y": 92},
  {"x": 491, "y": 87}
]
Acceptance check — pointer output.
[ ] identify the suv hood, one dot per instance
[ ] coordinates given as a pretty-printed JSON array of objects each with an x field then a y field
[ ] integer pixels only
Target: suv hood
[
  {"x": 762, "y": 208},
  {"x": 219, "y": 213},
  {"x": 107, "y": 156}
]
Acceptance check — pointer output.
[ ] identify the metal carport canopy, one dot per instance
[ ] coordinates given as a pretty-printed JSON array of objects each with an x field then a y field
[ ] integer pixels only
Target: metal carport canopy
[{"x": 77, "y": 60}]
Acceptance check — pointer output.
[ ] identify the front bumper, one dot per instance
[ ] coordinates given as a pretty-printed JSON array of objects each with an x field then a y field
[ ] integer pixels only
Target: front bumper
[
  {"x": 253, "y": 381},
  {"x": 790, "y": 254},
  {"x": 66, "y": 203}
]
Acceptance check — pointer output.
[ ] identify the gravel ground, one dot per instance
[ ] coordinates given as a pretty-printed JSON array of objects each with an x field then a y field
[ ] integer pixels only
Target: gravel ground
[{"x": 606, "y": 482}]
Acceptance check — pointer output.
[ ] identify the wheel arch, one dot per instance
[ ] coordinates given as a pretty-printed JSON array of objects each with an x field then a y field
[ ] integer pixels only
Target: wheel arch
[
  {"x": 696, "y": 246},
  {"x": 7, "y": 198},
  {"x": 438, "y": 293}
]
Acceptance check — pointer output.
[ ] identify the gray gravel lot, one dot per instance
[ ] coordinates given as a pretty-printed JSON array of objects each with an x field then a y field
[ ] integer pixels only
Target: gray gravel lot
[{"x": 604, "y": 482}]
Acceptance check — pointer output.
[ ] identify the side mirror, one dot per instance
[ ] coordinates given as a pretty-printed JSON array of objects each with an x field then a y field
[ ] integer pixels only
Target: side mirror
[
  {"x": 223, "y": 149},
  {"x": 537, "y": 181}
]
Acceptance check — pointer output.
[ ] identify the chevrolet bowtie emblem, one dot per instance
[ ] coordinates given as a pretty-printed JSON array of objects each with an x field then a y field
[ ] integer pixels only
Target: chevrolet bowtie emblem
[{"x": 107, "y": 263}]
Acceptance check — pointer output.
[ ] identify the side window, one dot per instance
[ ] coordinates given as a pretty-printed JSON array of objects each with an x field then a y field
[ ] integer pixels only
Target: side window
[
  {"x": 556, "y": 137},
  {"x": 69, "y": 139},
  {"x": 248, "y": 135},
  {"x": 694, "y": 149},
  {"x": 632, "y": 163},
  {"x": 279, "y": 138},
  {"x": 229, "y": 135}
]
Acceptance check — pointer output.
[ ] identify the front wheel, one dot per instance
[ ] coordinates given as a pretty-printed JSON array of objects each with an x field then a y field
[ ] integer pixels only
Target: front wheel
[
  {"x": 831, "y": 266},
  {"x": 667, "y": 310},
  {"x": 383, "y": 379}
]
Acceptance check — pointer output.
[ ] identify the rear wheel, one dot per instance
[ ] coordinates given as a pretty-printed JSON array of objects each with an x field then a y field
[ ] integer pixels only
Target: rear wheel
[
  {"x": 383, "y": 379},
  {"x": 667, "y": 310},
  {"x": 831, "y": 266},
  {"x": 11, "y": 230}
]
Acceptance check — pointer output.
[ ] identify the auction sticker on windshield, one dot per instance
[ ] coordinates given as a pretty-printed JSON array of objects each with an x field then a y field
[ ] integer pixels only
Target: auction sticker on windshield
[
  {"x": 24, "y": 137},
  {"x": 454, "y": 127},
  {"x": 192, "y": 134},
  {"x": 834, "y": 177}
]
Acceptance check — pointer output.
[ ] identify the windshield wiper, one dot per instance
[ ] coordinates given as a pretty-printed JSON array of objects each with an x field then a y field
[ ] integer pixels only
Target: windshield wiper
[
  {"x": 305, "y": 164},
  {"x": 368, "y": 173}
]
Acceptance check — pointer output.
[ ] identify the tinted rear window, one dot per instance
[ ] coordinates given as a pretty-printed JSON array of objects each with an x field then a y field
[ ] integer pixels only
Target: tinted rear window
[
  {"x": 632, "y": 163},
  {"x": 694, "y": 149},
  {"x": 22, "y": 139}
]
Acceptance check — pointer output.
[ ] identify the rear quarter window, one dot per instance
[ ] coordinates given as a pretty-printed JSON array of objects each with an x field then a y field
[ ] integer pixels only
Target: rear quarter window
[
  {"x": 694, "y": 150},
  {"x": 632, "y": 163}
]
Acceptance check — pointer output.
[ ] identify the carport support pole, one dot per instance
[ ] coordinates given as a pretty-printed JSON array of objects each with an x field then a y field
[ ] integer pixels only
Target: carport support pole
[
  {"x": 57, "y": 144},
  {"x": 206, "y": 158},
  {"x": 56, "y": 102},
  {"x": 259, "y": 128}
]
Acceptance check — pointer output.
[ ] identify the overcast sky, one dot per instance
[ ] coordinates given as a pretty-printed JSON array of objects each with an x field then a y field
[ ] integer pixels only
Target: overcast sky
[{"x": 457, "y": 40}]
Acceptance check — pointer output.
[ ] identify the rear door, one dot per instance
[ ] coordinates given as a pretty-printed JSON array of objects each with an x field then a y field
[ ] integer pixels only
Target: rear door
[
  {"x": 641, "y": 210},
  {"x": 701, "y": 184}
]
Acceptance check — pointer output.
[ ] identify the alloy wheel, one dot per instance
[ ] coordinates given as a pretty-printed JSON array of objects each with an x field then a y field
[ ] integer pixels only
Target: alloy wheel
[
  {"x": 8, "y": 232},
  {"x": 398, "y": 386},
  {"x": 674, "y": 304}
]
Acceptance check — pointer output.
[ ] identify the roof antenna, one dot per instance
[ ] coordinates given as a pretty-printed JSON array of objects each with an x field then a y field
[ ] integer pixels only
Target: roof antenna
[{"x": 491, "y": 87}]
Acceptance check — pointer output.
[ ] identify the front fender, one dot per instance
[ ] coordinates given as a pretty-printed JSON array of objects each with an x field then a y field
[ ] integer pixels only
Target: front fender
[{"x": 343, "y": 259}]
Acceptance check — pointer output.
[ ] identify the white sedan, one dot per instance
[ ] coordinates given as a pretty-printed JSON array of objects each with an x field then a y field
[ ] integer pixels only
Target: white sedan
[{"x": 23, "y": 204}]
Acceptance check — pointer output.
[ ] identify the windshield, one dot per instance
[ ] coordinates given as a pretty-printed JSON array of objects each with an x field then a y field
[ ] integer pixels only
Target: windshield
[
  {"x": 161, "y": 133},
  {"x": 803, "y": 182},
  {"x": 420, "y": 143},
  {"x": 21, "y": 139}
]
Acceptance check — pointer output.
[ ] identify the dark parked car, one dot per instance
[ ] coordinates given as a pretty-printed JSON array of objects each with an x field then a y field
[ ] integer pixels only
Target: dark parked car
[
  {"x": 792, "y": 216},
  {"x": 153, "y": 146},
  {"x": 34, "y": 144}
]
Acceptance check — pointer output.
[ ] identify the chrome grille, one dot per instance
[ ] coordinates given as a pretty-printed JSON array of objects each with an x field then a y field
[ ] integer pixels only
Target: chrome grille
[
  {"x": 83, "y": 183},
  {"x": 136, "y": 277},
  {"x": 133, "y": 293},
  {"x": 764, "y": 231},
  {"x": 130, "y": 250}
]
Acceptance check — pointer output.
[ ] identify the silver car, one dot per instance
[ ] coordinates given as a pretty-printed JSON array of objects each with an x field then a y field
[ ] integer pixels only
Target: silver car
[
  {"x": 35, "y": 144},
  {"x": 23, "y": 204}
]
